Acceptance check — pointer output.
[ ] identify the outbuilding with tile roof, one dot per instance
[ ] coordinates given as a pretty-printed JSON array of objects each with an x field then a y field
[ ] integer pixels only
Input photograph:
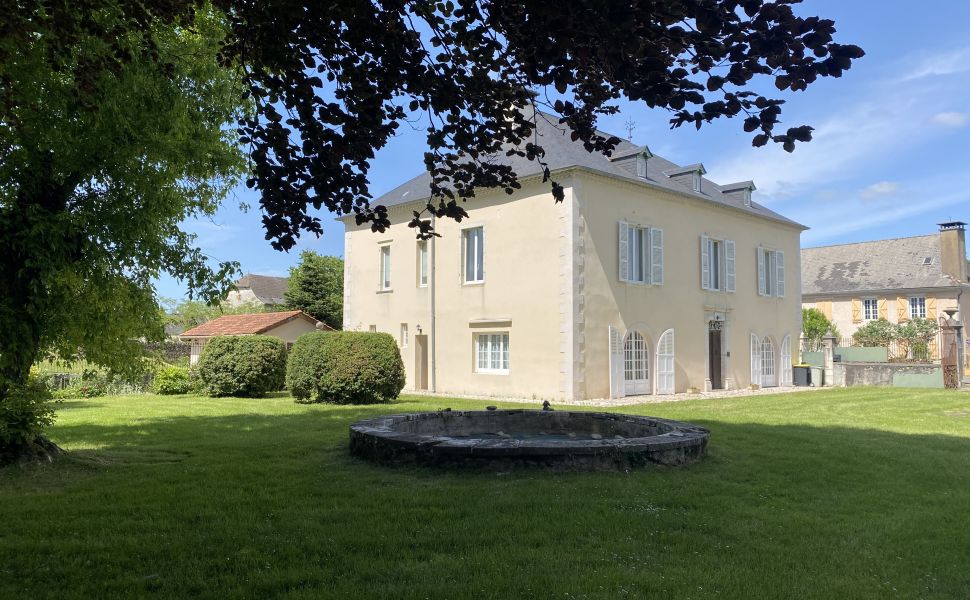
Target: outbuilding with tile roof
[{"x": 286, "y": 326}]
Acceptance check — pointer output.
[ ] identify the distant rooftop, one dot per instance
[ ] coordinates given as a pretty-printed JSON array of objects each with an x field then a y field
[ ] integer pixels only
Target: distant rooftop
[
  {"x": 899, "y": 263},
  {"x": 267, "y": 288}
]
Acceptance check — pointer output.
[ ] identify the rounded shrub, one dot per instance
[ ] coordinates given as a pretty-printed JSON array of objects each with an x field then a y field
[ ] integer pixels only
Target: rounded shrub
[
  {"x": 172, "y": 380},
  {"x": 345, "y": 367},
  {"x": 247, "y": 366}
]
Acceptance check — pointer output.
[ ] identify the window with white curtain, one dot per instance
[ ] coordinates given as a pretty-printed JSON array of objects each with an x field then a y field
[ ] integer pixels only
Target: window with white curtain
[
  {"x": 771, "y": 272},
  {"x": 917, "y": 307},
  {"x": 386, "y": 267},
  {"x": 870, "y": 309},
  {"x": 422, "y": 263},
  {"x": 474, "y": 250},
  {"x": 492, "y": 352},
  {"x": 641, "y": 254},
  {"x": 717, "y": 264}
]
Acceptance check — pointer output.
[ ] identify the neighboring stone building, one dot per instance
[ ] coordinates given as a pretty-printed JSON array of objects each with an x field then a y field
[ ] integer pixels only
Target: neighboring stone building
[
  {"x": 284, "y": 325},
  {"x": 896, "y": 279},
  {"x": 258, "y": 289},
  {"x": 648, "y": 278}
]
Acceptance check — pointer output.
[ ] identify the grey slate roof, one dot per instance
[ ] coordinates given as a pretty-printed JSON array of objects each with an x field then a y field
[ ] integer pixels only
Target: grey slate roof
[
  {"x": 563, "y": 153},
  {"x": 870, "y": 266},
  {"x": 268, "y": 289}
]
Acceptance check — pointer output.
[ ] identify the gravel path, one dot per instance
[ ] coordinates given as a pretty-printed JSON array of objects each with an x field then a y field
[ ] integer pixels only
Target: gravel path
[{"x": 631, "y": 400}]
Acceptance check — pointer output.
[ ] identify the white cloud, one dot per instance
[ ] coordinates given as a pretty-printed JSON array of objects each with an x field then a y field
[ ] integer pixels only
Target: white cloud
[
  {"x": 951, "y": 119},
  {"x": 847, "y": 218},
  {"x": 946, "y": 63},
  {"x": 880, "y": 188}
]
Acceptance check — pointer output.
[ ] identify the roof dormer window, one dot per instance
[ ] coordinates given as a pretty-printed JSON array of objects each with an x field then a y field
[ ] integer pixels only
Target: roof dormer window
[
  {"x": 691, "y": 176},
  {"x": 739, "y": 191},
  {"x": 641, "y": 166}
]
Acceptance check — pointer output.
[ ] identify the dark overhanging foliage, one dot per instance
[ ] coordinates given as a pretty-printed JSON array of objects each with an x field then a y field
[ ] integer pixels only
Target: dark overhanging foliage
[{"x": 332, "y": 82}]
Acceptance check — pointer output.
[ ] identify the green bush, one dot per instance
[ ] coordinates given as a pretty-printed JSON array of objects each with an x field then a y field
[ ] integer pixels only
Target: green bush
[
  {"x": 25, "y": 410},
  {"x": 172, "y": 380},
  {"x": 876, "y": 334},
  {"x": 247, "y": 366},
  {"x": 345, "y": 367}
]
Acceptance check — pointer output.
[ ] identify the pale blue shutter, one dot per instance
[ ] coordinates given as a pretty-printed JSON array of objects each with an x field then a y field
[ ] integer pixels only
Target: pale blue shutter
[
  {"x": 705, "y": 262},
  {"x": 624, "y": 251},
  {"x": 780, "y": 287},
  {"x": 657, "y": 256},
  {"x": 761, "y": 271},
  {"x": 729, "y": 266}
]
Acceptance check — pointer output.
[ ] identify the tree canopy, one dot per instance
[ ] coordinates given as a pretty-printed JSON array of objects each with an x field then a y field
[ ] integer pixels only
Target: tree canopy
[
  {"x": 316, "y": 287},
  {"x": 120, "y": 119},
  {"x": 332, "y": 82}
]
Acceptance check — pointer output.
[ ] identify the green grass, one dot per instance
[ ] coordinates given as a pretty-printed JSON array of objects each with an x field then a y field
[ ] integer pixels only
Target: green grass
[{"x": 859, "y": 493}]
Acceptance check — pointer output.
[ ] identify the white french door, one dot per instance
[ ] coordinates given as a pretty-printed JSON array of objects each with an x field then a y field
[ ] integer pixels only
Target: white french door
[
  {"x": 769, "y": 375},
  {"x": 636, "y": 361}
]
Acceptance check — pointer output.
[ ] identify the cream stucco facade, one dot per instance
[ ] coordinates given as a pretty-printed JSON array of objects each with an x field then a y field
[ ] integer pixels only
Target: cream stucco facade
[{"x": 552, "y": 284}]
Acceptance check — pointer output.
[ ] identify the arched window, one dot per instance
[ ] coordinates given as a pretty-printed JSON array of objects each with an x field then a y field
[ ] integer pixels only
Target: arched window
[
  {"x": 769, "y": 374},
  {"x": 785, "y": 366},
  {"x": 636, "y": 361},
  {"x": 665, "y": 363}
]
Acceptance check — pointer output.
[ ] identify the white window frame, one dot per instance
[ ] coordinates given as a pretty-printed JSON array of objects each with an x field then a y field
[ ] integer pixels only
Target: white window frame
[
  {"x": 404, "y": 335},
  {"x": 423, "y": 266},
  {"x": 718, "y": 264},
  {"x": 385, "y": 268},
  {"x": 491, "y": 352},
  {"x": 666, "y": 364},
  {"x": 477, "y": 276},
  {"x": 771, "y": 272},
  {"x": 697, "y": 181},
  {"x": 868, "y": 315},
  {"x": 648, "y": 258},
  {"x": 919, "y": 304}
]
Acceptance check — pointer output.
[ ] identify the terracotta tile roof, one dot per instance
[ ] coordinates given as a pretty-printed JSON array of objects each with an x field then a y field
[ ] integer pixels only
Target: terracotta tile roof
[{"x": 245, "y": 324}]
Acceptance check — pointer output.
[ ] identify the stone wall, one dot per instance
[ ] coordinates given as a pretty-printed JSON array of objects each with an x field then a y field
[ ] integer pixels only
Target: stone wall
[{"x": 847, "y": 374}]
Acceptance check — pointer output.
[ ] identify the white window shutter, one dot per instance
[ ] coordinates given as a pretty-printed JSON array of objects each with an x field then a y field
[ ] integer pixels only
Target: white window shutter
[
  {"x": 657, "y": 256},
  {"x": 755, "y": 359},
  {"x": 780, "y": 284},
  {"x": 761, "y": 271},
  {"x": 729, "y": 263},
  {"x": 616, "y": 364},
  {"x": 705, "y": 262},
  {"x": 624, "y": 251}
]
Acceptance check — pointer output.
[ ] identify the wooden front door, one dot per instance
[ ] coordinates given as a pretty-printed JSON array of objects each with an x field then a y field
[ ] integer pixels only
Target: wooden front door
[
  {"x": 714, "y": 355},
  {"x": 420, "y": 362}
]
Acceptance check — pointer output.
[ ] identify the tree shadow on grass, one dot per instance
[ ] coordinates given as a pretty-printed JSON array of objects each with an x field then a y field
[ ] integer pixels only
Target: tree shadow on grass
[{"x": 818, "y": 508}]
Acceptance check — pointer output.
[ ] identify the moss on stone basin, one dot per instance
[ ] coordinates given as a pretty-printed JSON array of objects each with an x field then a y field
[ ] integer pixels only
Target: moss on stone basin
[{"x": 504, "y": 438}]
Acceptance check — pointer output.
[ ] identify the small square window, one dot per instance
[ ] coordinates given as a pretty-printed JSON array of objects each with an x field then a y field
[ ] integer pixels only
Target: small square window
[
  {"x": 917, "y": 307},
  {"x": 870, "y": 309},
  {"x": 492, "y": 353}
]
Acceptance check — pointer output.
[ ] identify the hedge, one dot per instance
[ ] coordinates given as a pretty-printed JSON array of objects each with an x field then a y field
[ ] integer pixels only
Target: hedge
[
  {"x": 345, "y": 367},
  {"x": 172, "y": 380},
  {"x": 247, "y": 366}
]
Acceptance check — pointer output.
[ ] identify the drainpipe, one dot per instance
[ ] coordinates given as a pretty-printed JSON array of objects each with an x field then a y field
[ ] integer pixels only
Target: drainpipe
[{"x": 433, "y": 259}]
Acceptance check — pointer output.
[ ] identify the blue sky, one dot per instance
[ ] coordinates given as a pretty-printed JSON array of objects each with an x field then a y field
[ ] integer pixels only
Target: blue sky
[{"x": 890, "y": 155}]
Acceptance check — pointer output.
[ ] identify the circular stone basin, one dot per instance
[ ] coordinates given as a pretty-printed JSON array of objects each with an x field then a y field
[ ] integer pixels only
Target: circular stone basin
[{"x": 502, "y": 438}]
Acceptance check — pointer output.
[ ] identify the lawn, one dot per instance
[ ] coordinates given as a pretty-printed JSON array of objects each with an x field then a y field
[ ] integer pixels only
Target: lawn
[{"x": 859, "y": 493}]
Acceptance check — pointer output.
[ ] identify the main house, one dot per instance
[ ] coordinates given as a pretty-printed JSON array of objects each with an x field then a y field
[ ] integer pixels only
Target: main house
[
  {"x": 647, "y": 279},
  {"x": 896, "y": 279}
]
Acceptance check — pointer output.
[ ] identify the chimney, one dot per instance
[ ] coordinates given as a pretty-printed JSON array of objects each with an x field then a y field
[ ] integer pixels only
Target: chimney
[{"x": 953, "y": 250}]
